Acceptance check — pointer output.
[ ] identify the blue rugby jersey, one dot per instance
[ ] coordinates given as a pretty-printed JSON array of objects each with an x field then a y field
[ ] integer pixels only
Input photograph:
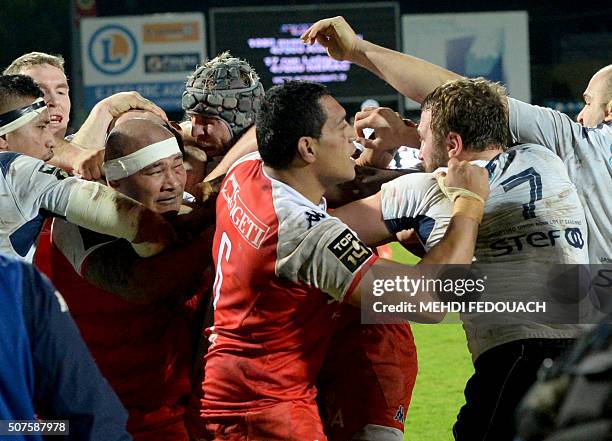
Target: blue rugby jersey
[{"x": 45, "y": 367}]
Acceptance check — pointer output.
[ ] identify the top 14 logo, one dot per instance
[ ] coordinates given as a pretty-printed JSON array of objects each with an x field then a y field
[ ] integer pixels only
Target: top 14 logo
[{"x": 112, "y": 49}]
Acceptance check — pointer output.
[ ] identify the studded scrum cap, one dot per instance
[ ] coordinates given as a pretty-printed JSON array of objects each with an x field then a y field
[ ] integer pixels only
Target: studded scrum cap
[{"x": 225, "y": 87}]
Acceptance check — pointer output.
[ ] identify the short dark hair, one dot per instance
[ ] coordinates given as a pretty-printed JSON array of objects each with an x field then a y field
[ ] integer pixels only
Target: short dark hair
[
  {"x": 15, "y": 88},
  {"x": 472, "y": 107},
  {"x": 288, "y": 112}
]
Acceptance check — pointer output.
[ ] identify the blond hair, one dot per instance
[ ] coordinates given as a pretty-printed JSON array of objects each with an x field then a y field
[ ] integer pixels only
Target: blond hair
[
  {"x": 474, "y": 108},
  {"x": 32, "y": 59}
]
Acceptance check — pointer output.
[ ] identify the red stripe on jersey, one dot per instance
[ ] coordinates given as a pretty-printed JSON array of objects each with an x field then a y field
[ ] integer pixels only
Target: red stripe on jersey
[{"x": 364, "y": 269}]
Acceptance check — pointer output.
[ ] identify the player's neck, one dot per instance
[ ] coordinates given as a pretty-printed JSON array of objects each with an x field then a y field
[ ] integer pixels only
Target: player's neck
[
  {"x": 485, "y": 155},
  {"x": 301, "y": 181}
]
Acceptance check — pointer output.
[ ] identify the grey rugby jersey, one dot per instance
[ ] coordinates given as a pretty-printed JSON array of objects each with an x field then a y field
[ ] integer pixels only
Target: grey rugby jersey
[
  {"x": 587, "y": 155},
  {"x": 533, "y": 214}
]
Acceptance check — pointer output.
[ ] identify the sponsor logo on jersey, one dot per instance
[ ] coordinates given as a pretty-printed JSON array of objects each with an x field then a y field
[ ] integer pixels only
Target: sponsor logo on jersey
[
  {"x": 574, "y": 237},
  {"x": 250, "y": 227},
  {"x": 537, "y": 239},
  {"x": 53, "y": 171},
  {"x": 400, "y": 415},
  {"x": 313, "y": 217},
  {"x": 350, "y": 250}
]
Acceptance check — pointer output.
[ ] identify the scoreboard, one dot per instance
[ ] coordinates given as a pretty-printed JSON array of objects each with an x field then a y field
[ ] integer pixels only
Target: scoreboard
[{"x": 269, "y": 39}]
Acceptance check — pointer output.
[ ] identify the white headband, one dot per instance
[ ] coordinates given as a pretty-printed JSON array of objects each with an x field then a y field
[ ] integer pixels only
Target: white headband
[
  {"x": 134, "y": 162},
  {"x": 22, "y": 116}
]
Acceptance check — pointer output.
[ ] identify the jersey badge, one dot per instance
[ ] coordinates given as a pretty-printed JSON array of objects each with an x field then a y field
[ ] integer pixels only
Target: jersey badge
[{"x": 350, "y": 250}]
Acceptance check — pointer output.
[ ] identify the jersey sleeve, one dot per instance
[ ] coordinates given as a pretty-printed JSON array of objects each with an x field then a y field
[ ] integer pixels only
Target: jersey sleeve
[
  {"x": 415, "y": 201},
  {"x": 68, "y": 384},
  {"x": 77, "y": 243},
  {"x": 38, "y": 185},
  {"x": 554, "y": 130},
  {"x": 327, "y": 255}
]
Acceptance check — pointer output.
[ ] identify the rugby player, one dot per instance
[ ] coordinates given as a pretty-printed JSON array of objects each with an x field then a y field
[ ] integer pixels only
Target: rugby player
[
  {"x": 385, "y": 377},
  {"x": 583, "y": 146},
  {"x": 139, "y": 316},
  {"x": 531, "y": 198},
  {"x": 34, "y": 190},
  {"x": 283, "y": 265},
  {"x": 417, "y": 78}
]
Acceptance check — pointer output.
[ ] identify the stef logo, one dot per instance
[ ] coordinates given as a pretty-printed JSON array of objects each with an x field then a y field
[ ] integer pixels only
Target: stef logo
[
  {"x": 574, "y": 237},
  {"x": 112, "y": 49}
]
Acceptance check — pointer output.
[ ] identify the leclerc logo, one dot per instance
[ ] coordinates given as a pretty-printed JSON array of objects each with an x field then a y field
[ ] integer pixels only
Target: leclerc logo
[{"x": 112, "y": 49}]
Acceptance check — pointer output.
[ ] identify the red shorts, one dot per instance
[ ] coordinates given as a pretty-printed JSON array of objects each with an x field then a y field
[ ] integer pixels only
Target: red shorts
[
  {"x": 290, "y": 421},
  {"x": 367, "y": 379}
]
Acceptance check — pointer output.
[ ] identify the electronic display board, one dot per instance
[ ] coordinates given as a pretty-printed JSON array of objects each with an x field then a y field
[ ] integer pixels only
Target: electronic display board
[{"x": 269, "y": 39}]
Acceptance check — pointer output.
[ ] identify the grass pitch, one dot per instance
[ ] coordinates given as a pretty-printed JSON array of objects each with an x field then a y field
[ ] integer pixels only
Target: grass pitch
[{"x": 444, "y": 367}]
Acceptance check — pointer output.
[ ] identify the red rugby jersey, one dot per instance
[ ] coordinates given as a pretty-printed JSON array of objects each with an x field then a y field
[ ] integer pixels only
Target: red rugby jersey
[
  {"x": 282, "y": 266},
  {"x": 144, "y": 351}
]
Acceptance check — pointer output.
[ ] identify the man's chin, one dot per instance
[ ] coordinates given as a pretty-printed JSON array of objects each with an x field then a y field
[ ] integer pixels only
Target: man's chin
[
  {"x": 168, "y": 210},
  {"x": 58, "y": 130},
  {"x": 430, "y": 168}
]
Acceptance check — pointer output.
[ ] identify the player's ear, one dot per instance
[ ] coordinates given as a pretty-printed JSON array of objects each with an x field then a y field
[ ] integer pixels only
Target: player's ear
[
  {"x": 608, "y": 113},
  {"x": 454, "y": 144},
  {"x": 306, "y": 149},
  {"x": 3, "y": 143}
]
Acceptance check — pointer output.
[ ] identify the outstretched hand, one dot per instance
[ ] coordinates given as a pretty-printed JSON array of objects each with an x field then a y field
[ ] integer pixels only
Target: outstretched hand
[
  {"x": 121, "y": 102},
  {"x": 335, "y": 35}
]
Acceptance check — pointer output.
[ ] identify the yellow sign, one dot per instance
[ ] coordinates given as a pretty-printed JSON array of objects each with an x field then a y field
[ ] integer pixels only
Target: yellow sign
[{"x": 170, "y": 32}]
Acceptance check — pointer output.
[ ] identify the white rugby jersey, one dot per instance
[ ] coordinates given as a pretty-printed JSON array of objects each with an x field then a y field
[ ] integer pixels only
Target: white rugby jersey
[
  {"x": 30, "y": 191},
  {"x": 533, "y": 214},
  {"x": 587, "y": 155}
]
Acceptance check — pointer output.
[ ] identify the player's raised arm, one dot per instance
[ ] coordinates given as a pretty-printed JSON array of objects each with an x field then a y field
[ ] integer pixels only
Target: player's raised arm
[{"x": 411, "y": 76}]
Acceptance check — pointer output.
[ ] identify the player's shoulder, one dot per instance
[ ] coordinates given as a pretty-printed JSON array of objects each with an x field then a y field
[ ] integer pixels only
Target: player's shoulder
[
  {"x": 77, "y": 243},
  {"x": 250, "y": 159},
  {"x": 296, "y": 214},
  {"x": 8, "y": 263},
  {"x": 600, "y": 135},
  {"x": 532, "y": 150},
  {"x": 21, "y": 169},
  {"x": 14, "y": 273},
  {"x": 522, "y": 157},
  {"x": 417, "y": 182},
  {"x": 14, "y": 160}
]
